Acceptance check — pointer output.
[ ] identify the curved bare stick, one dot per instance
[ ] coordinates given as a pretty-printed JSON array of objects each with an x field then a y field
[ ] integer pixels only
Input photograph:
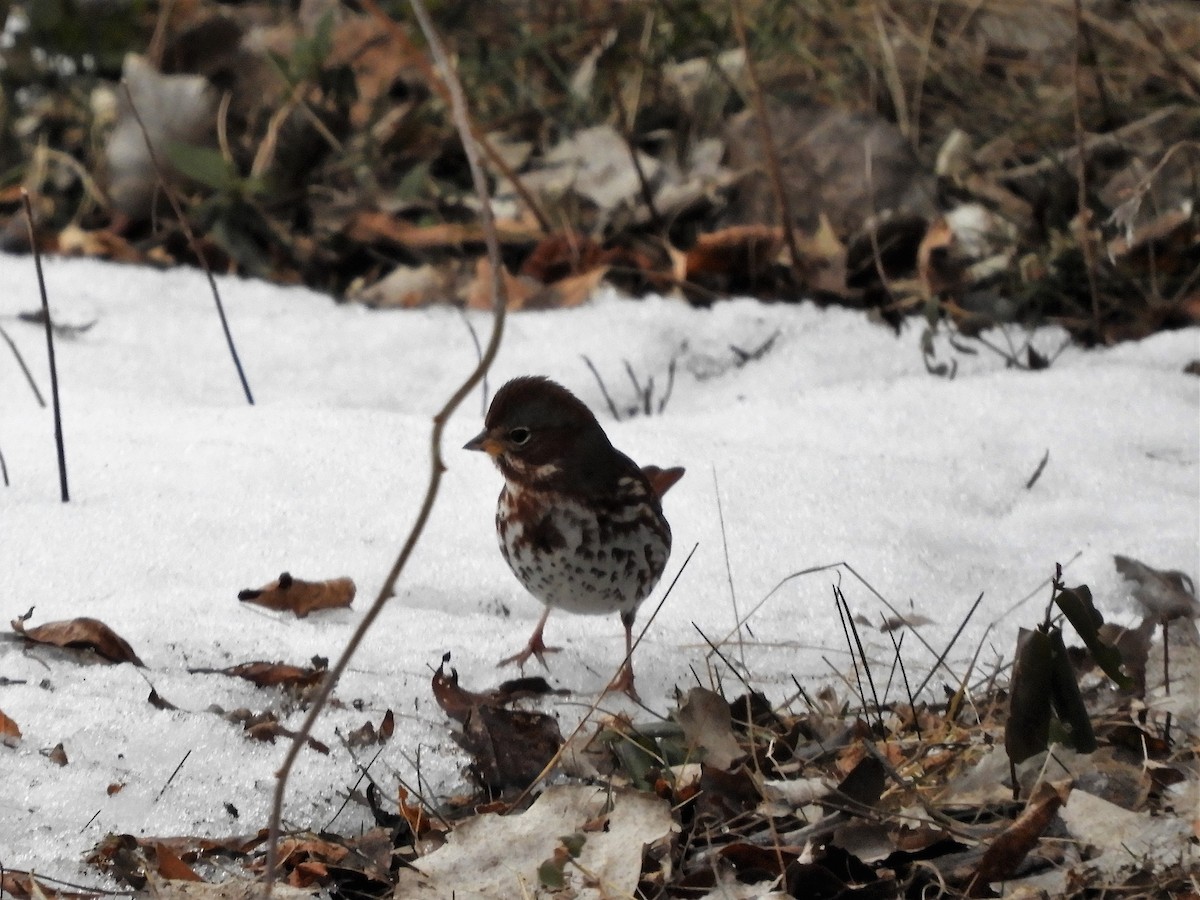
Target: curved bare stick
[{"x": 463, "y": 123}]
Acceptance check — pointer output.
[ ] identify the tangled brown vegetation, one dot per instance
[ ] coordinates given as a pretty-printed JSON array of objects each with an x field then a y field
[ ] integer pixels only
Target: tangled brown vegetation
[{"x": 976, "y": 162}]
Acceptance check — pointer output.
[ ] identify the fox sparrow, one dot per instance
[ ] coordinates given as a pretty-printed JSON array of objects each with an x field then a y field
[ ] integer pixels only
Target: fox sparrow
[{"x": 580, "y": 525}]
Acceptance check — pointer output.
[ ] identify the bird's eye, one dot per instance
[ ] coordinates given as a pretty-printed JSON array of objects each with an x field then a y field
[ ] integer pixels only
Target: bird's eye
[{"x": 519, "y": 436}]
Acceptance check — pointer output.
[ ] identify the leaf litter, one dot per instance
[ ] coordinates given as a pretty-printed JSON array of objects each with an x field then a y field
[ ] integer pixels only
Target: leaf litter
[{"x": 733, "y": 796}]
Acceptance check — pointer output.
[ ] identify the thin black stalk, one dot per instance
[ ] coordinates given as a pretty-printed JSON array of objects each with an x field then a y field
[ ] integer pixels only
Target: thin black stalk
[
  {"x": 58, "y": 432},
  {"x": 24, "y": 368}
]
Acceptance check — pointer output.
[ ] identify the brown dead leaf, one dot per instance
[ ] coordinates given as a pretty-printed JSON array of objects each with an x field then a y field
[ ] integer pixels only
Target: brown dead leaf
[
  {"x": 517, "y": 290},
  {"x": 509, "y": 747},
  {"x": 742, "y": 249},
  {"x": 560, "y": 255},
  {"x": 523, "y": 292},
  {"x": 374, "y": 227},
  {"x": 171, "y": 866},
  {"x": 569, "y": 292},
  {"x": 414, "y": 813},
  {"x": 1012, "y": 845},
  {"x": 267, "y": 674},
  {"x": 265, "y": 726},
  {"x": 937, "y": 269},
  {"x": 101, "y": 244},
  {"x": 56, "y": 754},
  {"x": 80, "y": 634},
  {"x": 289, "y": 594},
  {"x": 23, "y": 886},
  {"x": 10, "y": 733}
]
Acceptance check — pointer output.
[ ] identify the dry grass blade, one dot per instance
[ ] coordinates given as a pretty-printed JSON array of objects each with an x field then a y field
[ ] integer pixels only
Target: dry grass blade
[
  {"x": 192, "y": 241},
  {"x": 41, "y": 401},
  {"x": 437, "y": 466},
  {"x": 58, "y": 432}
]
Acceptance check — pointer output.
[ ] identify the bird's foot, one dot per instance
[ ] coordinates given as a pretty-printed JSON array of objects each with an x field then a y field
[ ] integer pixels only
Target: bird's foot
[
  {"x": 623, "y": 682},
  {"x": 535, "y": 647}
]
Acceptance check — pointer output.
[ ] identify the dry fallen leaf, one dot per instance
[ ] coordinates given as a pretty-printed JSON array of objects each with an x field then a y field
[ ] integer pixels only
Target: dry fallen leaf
[
  {"x": 509, "y": 747},
  {"x": 1164, "y": 595},
  {"x": 499, "y": 856},
  {"x": 10, "y": 733},
  {"x": 1010, "y": 847},
  {"x": 23, "y": 886},
  {"x": 741, "y": 249},
  {"x": 80, "y": 634},
  {"x": 170, "y": 866},
  {"x": 267, "y": 674},
  {"x": 371, "y": 227},
  {"x": 708, "y": 728},
  {"x": 293, "y": 595}
]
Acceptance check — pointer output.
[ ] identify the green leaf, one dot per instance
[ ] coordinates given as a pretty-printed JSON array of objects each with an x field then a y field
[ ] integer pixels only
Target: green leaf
[
  {"x": 1076, "y": 604},
  {"x": 203, "y": 164},
  {"x": 550, "y": 874},
  {"x": 574, "y": 843}
]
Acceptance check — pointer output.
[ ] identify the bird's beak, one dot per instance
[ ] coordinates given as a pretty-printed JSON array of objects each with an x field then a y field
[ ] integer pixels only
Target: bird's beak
[{"x": 483, "y": 442}]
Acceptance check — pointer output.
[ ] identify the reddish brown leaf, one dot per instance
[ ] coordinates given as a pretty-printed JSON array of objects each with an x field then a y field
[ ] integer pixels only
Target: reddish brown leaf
[
  {"x": 268, "y": 674},
  {"x": 937, "y": 269},
  {"x": 742, "y": 249},
  {"x": 510, "y": 747},
  {"x": 517, "y": 289},
  {"x": 1011, "y": 846},
  {"x": 22, "y": 886},
  {"x": 455, "y": 701},
  {"x": 10, "y": 733},
  {"x": 82, "y": 633},
  {"x": 413, "y": 813},
  {"x": 266, "y": 727},
  {"x": 171, "y": 866},
  {"x": 560, "y": 255},
  {"x": 293, "y": 595},
  {"x": 371, "y": 227}
]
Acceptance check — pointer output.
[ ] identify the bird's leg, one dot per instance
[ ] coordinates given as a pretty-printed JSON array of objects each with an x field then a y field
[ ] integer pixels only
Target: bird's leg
[
  {"x": 535, "y": 647},
  {"x": 624, "y": 678}
]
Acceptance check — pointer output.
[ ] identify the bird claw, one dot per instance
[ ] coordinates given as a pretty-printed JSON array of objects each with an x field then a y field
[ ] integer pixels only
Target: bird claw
[
  {"x": 623, "y": 682},
  {"x": 533, "y": 648}
]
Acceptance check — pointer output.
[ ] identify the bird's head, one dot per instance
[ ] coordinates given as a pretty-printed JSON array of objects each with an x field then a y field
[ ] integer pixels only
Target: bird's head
[{"x": 538, "y": 432}]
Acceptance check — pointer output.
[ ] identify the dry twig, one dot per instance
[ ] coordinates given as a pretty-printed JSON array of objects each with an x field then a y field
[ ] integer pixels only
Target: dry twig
[{"x": 437, "y": 466}]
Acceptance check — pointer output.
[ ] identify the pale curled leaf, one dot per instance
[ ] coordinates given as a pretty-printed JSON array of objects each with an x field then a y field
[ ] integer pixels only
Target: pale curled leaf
[
  {"x": 1165, "y": 595},
  {"x": 500, "y": 856}
]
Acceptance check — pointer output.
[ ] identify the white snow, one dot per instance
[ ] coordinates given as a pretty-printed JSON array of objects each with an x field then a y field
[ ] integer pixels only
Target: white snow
[{"x": 835, "y": 446}]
